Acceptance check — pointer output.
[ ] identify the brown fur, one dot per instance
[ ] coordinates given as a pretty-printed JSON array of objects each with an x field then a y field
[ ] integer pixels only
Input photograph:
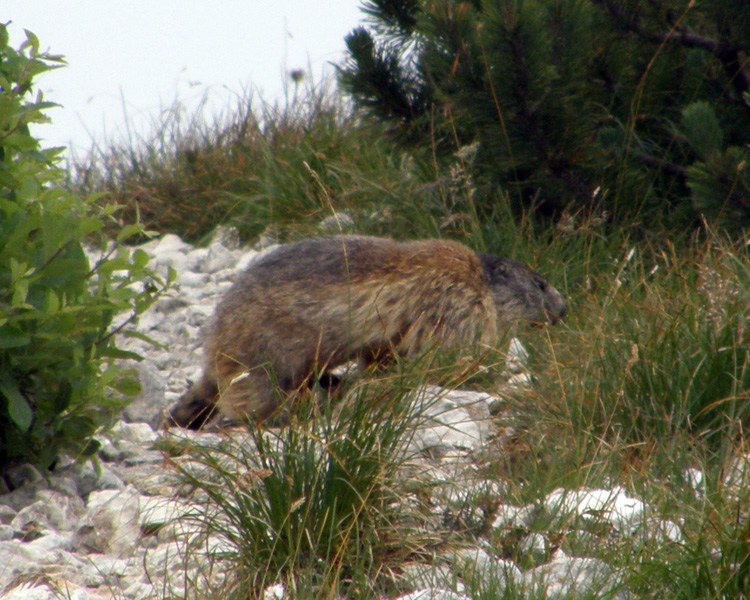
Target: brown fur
[{"x": 310, "y": 306}]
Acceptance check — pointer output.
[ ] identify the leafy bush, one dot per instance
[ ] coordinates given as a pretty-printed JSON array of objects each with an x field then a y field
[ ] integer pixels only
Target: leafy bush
[{"x": 58, "y": 380}]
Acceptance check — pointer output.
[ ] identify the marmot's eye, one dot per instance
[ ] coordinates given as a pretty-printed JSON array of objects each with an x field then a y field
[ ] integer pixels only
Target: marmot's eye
[{"x": 541, "y": 284}]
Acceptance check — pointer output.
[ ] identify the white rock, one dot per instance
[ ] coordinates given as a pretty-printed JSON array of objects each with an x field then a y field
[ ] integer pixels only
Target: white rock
[
  {"x": 52, "y": 511},
  {"x": 6, "y": 533},
  {"x": 696, "y": 480},
  {"x": 229, "y": 237},
  {"x": 7, "y": 513},
  {"x": 433, "y": 594},
  {"x": 339, "y": 222},
  {"x": 274, "y": 592},
  {"x": 499, "y": 571},
  {"x": 166, "y": 559},
  {"x": 19, "y": 558},
  {"x": 452, "y": 420},
  {"x": 655, "y": 530},
  {"x": 158, "y": 510},
  {"x": 46, "y": 589},
  {"x": 614, "y": 506},
  {"x": 195, "y": 258},
  {"x": 565, "y": 576},
  {"x": 112, "y": 522},
  {"x": 148, "y": 405},
  {"x": 140, "y": 434},
  {"x": 535, "y": 546},
  {"x": 141, "y": 590},
  {"x": 517, "y": 357},
  {"x": 246, "y": 258},
  {"x": 422, "y": 576},
  {"x": 512, "y": 516},
  {"x": 51, "y": 542},
  {"x": 737, "y": 476},
  {"x": 193, "y": 280},
  {"x": 519, "y": 381},
  {"x": 218, "y": 258},
  {"x": 168, "y": 244}
]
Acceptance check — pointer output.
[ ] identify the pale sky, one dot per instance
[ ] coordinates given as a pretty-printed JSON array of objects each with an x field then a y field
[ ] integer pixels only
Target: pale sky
[{"x": 134, "y": 58}]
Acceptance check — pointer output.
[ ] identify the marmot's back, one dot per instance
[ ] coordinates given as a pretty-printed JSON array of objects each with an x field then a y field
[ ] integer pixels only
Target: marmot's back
[{"x": 312, "y": 305}]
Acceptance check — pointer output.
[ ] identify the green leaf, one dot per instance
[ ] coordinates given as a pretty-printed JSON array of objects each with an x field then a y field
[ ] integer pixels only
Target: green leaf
[
  {"x": 18, "y": 409},
  {"x": 112, "y": 352},
  {"x": 91, "y": 448},
  {"x": 127, "y": 386},
  {"x": 90, "y": 225},
  {"x": 20, "y": 292},
  {"x": 52, "y": 303},
  {"x": 13, "y": 337},
  {"x": 33, "y": 40},
  {"x": 127, "y": 232},
  {"x": 143, "y": 337},
  {"x": 702, "y": 130},
  {"x": 140, "y": 258}
]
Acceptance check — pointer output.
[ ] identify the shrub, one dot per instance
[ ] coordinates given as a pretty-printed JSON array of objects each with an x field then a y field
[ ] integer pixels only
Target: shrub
[
  {"x": 648, "y": 101},
  {"x": 58, "y": 380}
]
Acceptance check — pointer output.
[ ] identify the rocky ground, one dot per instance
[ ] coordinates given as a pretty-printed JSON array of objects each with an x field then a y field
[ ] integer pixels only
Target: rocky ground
[{"x": 116, "y": 532}]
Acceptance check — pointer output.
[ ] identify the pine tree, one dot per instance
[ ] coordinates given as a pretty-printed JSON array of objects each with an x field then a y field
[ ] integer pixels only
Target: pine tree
[{"x": 648, "y": 101}]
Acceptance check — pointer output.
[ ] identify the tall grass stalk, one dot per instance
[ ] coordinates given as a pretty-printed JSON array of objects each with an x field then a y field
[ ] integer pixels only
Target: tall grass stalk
[{"x": 316, "y": 505}]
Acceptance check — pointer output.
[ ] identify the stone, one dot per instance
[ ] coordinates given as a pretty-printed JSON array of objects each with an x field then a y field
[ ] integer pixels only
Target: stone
[
  {"x": 453, "y": 421},
  {"x": 613, "y": 506},
  {"x": 51, "y": 511},
  {"x": 219, "y": 258},
  {"x": 89, "y": 478},
  {"x": 7, "y": 513},
  {"x": 112, "y": 522},
  {"x": 566, "y": 576},
  {"x": 6, "y": 533},
  {"x": 45, "y": 588},
  {"x": 433, "y": 594},
  {"x": 517, "y": 357},
  {"x": 479, "y": 564},
  {"x": 507, "y": 516},
  {"x": 274, "y": 592},
  {"x": 423, "y": 576},
  {"x": 150, "y": 403}
]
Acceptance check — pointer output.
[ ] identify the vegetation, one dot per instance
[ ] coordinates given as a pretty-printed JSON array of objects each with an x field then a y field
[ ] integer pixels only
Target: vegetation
[
  {"x": 314, "y": 505},
  {"x": 59, "y": 383},
  {"x": 643, "y": 383},
  {"x": 649, "y": 102}
]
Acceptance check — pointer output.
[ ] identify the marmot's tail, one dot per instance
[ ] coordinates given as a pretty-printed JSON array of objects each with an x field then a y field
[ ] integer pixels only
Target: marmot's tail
[{"x": 196, "y": 407}]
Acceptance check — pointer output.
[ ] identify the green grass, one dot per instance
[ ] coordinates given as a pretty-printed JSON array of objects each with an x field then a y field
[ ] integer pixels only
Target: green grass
[
  {"x": 314, "y": 505},
  {"x": 645, "y": 378}
]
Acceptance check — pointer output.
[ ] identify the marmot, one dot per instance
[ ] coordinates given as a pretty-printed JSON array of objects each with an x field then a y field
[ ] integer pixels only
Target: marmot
[{"x": 310, "y": 306}]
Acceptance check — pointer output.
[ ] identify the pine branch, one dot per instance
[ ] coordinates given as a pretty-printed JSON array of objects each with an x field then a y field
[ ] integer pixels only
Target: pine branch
[
  {"x": 400, "y": 14},
  {"x": 527, "y": 116},
  {"x": 728, "y": 55},
  {"x": 373, "y": 76},
  {"x": 667, "y": 167}
]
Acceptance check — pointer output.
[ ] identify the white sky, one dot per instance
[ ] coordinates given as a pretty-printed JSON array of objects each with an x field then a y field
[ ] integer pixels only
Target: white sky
[{"x": 130, "y": 59}]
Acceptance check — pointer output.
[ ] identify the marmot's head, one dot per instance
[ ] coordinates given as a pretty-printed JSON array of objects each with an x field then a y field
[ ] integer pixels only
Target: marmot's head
[{"x": 519, "y": 293}]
